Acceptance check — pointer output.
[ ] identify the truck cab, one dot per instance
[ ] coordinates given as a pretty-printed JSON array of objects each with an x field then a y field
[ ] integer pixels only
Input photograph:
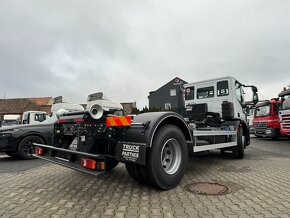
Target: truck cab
[
  {"x": 266, "y": 122},
  {"x": 284, "y": 112},
  {"x": 33, "y": 117},
  {"x": 213, "y": 92},
  {"x": 222, "y": 98}
]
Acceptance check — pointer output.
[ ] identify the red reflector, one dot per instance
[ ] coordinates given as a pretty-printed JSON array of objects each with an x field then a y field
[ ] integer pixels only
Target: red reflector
[
  {"x": 88, "y": 163},
  {"x": 78, "y": 120},
  {"x": 61, "y": 121},
  {"x": 38, "y": 151}
]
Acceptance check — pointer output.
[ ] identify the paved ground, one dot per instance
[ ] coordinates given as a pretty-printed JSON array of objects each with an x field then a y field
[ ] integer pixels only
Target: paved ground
[{"x": 259, "y": 184}]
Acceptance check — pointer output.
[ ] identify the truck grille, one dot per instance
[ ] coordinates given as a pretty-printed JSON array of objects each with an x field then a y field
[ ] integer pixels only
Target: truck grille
[
  {"x": 260, "y": 125},
  {"x": 286, "y": 122}
]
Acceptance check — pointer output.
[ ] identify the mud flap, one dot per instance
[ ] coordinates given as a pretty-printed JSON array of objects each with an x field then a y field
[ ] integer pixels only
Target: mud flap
[{"x": 131, "y": 152}]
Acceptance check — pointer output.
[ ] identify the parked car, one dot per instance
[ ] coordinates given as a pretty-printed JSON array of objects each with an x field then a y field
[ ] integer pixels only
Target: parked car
[{"x": 16, "y": 140}]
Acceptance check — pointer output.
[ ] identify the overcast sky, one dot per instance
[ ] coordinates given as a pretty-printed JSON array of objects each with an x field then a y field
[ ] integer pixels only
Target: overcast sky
[{"x": 128, "y": 48}]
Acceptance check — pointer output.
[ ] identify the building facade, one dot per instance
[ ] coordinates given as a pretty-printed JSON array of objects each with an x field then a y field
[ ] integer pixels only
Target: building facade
[
  {"x": 18, "y": 106},
  {"x": 169, "y": 96}
]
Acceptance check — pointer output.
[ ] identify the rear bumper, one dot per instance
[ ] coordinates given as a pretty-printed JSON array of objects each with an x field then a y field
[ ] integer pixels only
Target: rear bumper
[{"x": 68, "y": 158}]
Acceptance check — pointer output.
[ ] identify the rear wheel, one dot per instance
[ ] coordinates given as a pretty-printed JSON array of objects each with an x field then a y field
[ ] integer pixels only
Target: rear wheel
[
  {"x": 134, "y": 170},
  {"x": 167, "y": 158},
  {"x": 239, "y": 150},
  {"x": 25, "y": 147}
]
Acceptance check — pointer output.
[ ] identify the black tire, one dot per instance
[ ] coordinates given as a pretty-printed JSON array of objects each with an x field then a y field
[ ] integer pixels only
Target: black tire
[
  {"x": 12, "y": 154},
  {"x": 239, "y": 150},
  {"x": 223, "y": 151},
  {"x": 25, "y": 148},
  {"x": 134, "y": 172},
  {"x": 111, "y": 164},
  {"x": 167, "y": 158}
]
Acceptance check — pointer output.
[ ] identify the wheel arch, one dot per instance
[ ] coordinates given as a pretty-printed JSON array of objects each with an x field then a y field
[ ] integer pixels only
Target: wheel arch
[
  {"x": 149, "y": 123},
  {"x": 172, "y": 120},
  {"x": 31, "y": 134}
]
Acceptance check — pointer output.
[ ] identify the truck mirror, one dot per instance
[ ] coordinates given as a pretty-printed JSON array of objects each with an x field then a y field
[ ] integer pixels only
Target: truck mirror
[
  {"x": 254, "y": 89},
  {"x": 255, "y": 98}
]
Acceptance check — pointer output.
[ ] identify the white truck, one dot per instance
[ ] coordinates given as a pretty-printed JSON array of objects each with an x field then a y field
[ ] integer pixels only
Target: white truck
[
  {"x": 284, "y": 112},
  {"x": 33, "y": 117},
  {"x": 153, "y": 146}
]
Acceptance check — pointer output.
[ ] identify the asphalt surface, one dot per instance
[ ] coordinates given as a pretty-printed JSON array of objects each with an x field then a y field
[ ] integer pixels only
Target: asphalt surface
[
  {"x": 259, "y": 186},
  {"x": 11, "y": 165},
  {"x": 281, "y": 147}
]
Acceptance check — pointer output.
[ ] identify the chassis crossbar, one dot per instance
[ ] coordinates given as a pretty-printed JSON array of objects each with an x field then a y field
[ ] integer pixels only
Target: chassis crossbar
[{"x": 97, "y": 156}]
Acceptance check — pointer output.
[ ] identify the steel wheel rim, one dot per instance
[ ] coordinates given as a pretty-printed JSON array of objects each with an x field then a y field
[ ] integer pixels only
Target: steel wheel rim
[{"x": 171, "y": 156}]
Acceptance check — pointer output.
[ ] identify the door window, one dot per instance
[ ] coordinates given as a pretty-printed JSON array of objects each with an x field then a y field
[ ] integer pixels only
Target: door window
[
  {"x": 206, "y": 92},
  {"x": 223, "y": 88}
]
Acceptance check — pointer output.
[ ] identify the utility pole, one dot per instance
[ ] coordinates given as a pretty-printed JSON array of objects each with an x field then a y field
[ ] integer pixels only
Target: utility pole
[{"x": 4, "y": 94}]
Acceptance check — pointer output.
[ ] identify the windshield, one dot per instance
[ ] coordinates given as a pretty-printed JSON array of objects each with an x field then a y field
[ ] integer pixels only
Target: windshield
[
  {"x": 286, "y": 103},
  {"x": 262, "y": 111},
  {"x": 49, "y": 120}
]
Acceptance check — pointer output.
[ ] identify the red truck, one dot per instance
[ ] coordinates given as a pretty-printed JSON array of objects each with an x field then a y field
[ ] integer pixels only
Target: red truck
[{"x": 266, "y": 119}]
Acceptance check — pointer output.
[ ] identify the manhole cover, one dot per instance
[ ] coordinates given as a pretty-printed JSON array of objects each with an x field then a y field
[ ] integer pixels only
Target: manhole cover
[{"x": 207, "y": 188}]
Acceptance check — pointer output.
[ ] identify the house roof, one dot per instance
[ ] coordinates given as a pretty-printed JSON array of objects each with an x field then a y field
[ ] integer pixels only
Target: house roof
[
  {"x": 19, "y": 105},
  {"x": 42, "y": 101},
  {"x": 176, "y": 79}
]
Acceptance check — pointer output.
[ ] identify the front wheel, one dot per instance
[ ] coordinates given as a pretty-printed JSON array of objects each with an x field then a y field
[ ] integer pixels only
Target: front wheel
[
  {"x": 167, "y": 159},
  {"x": 239, "y": 150}
]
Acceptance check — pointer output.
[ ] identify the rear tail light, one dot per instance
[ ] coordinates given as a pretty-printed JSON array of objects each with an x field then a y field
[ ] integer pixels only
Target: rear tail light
[
  {"x": 92, "y": 164},
  {"x": 39, "y": 151},
  {"x": 88, "y": 163}
]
